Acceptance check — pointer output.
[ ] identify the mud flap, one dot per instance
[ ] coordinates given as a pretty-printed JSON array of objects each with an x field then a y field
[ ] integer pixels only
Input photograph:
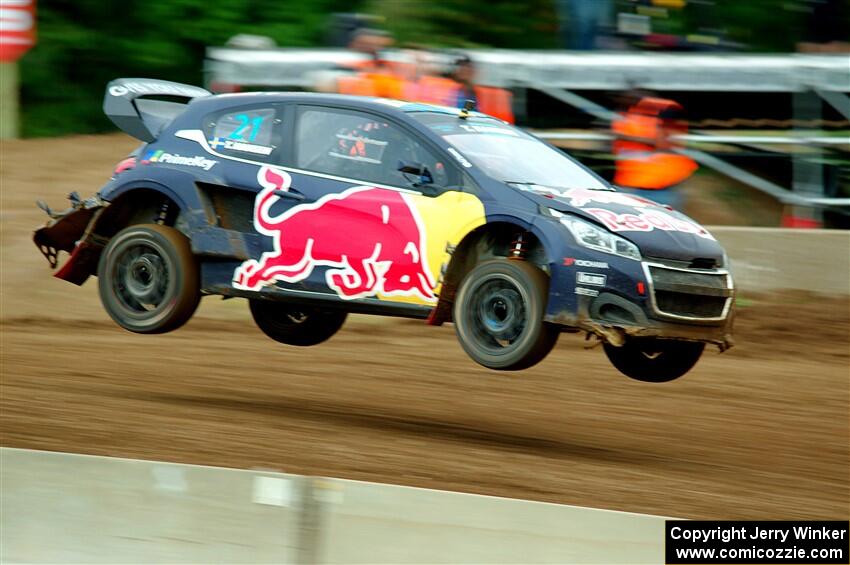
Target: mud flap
[{"x": 442, "y": 312}]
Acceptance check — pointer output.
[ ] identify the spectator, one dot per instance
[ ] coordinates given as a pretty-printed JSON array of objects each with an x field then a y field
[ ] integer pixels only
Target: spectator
[
  {"x": 464, "y": 75},
  {"x": 647, "y": 164},
  {"x": 582, "y": 22},
  {"x": 371, "y": 42}
]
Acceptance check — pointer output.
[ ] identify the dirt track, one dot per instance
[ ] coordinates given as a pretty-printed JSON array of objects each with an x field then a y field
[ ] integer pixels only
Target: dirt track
[{"x": 758, "y": 432}]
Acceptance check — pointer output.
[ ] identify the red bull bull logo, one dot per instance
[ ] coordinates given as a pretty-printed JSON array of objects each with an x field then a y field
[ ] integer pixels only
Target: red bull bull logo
[{"x": 372, "y": 238}]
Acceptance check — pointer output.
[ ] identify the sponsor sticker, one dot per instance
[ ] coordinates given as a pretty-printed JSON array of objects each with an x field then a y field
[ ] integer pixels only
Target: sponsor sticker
[
  {"x": 581, "y": 197},
  {"x": 160, "y": 156},
  {"x": 390, "y": 102},
  {"x": 570, "y": 261},
  {"x": 236, "y": 145},
  {"x": 647, "y": 221},
  {"x": 647, "y": 215},
  {"x": 460, "y": 158},
  {"x": 165, "y": 88},
  {"x": 586, "y": 291},
  {"x": 593, "y": 279},
  {"x": 489, "y": 129}
]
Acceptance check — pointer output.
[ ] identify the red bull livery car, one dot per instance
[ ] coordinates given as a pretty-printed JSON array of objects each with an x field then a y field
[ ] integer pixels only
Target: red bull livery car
[{"x": 313, "y": 206}]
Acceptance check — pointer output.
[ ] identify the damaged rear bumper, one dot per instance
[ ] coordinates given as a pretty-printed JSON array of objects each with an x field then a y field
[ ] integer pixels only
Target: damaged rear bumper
[{"x": 71, "y": 231}]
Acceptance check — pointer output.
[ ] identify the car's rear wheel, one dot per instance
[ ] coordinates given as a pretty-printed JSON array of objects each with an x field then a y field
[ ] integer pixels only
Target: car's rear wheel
[
  {"x": 294, "y": 324},
  {"x": 654, "y": 360},
  {"x": 498, "y": 315},
  {"x": 148, "y": 279}
]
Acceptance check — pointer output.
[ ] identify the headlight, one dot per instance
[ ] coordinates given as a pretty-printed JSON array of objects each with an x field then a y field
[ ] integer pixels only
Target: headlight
[{"x": 594, "y": 237}]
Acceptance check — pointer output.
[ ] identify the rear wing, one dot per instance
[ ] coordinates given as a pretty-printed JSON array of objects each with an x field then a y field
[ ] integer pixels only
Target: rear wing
[{"x": 128, "y": 104}]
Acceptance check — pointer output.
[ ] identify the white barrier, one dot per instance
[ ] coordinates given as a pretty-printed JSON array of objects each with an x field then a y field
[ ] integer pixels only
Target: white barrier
[
  {"x": 769, "y": 259},
  {"x": 62, "y": 508},
  {"x": 709, "y": 72}
]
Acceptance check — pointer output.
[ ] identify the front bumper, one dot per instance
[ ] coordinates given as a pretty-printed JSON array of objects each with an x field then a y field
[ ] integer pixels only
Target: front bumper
[{"x": 679, "y": 303}]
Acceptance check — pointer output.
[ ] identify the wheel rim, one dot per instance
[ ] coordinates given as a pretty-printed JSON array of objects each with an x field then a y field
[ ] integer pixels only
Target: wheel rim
[
  {"x": 651, "y": 355},
  {"x": 283, "y": 315},
  {"x": 498, "y": 315},
  {"x": 296, "y": 317},
  {"x": 141, "y": 278}
]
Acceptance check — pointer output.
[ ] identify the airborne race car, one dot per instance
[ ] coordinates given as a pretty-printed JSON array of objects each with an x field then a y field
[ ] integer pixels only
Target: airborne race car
[{"x": 313, "y": 206}]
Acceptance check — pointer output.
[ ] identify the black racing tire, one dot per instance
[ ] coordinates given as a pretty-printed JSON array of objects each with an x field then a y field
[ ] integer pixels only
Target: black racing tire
[
  {"x": 498, "y": 315},
  {"x": 148, "y": 279},
  {"x": 293, "y": 324},
  {"x": 654, "y": 360}
]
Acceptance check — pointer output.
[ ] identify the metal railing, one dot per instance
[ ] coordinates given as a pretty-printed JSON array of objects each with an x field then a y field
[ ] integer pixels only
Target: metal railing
[{"x": 783, "y": 195}]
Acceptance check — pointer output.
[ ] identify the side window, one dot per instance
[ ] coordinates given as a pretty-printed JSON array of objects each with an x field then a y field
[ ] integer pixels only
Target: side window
[
  {"x": 362, "y": 147},
  {"x": 249, "y": 133}
]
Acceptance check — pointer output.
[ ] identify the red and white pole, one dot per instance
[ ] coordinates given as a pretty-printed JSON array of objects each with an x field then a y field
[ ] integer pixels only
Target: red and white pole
[{"x": 17, "y": 36}]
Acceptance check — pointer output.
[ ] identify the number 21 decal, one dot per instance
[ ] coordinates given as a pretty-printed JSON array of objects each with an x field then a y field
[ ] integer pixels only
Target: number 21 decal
[{"x": 244, "y": 122}]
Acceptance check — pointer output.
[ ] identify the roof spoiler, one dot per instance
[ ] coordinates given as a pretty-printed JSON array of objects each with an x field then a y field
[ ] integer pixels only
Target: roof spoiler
[{"x": 145, "y": 121}]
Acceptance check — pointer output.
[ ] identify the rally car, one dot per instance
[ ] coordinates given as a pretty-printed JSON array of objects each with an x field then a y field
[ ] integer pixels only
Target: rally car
[{"x": 313, "y": 206}]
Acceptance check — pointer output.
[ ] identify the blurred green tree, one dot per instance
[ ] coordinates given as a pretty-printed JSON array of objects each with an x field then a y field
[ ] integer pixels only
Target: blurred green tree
[
  {"x": 83, "y": 44},
  {"x": 516, "y": 24}
]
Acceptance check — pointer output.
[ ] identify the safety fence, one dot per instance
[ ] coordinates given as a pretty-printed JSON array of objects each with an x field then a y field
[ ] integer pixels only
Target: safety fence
[
  {"x": 814, "y": 82},
  {"x": 712, "y": 72},
  {"x": 59, "y": 507}
]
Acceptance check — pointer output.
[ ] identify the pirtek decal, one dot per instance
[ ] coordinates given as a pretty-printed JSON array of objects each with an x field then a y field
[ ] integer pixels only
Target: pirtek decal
[
  {"x": 175, "y": 159},
  {"x": 372, "y": 237}
]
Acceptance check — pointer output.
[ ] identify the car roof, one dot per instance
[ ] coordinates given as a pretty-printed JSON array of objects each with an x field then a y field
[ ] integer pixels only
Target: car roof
[{"x": 341, "y": 100}]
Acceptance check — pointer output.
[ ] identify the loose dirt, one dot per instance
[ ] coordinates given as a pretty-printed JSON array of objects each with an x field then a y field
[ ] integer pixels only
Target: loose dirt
[{"x": 760, "y": 431}]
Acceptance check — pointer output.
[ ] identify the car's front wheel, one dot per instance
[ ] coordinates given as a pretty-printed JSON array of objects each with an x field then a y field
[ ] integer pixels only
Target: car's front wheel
[
  {"x": 148, "y": 279},
  {"x": 296, "y": 325},
  {"x": 498, "y": 315},
  {"x": 654, "y": 360}
]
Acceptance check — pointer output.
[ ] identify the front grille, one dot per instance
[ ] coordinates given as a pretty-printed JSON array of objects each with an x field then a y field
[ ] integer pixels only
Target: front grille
[
  {"x": 689, "y": 294},
  {"x": 697, "y": 263},
  {"x": 686, "y": 281},
  {"x": 690, "y": 305}
]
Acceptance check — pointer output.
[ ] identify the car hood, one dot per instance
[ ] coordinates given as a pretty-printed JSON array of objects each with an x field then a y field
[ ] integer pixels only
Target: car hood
[{"x": 659, "y": 231}]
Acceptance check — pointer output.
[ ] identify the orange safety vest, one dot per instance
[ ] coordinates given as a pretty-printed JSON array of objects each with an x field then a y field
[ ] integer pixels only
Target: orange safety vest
[
  {"x": 386, "y": 85},
  {"x": 495, "y": 102},
  {"x": 356, "y": 85},
  {"x": 640, "y": 134},
  {"x": 437, "y": 90},
  {"x": 492, "y": 101}
]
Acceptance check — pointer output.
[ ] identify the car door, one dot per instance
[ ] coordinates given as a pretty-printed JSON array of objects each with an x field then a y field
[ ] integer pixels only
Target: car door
[
  {"x": 361, "y": 229},
  {"x": 253, "y": 140}
]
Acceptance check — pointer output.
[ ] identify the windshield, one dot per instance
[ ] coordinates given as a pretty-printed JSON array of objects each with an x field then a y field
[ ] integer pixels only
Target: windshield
[{"x": 508, "y": 154}]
